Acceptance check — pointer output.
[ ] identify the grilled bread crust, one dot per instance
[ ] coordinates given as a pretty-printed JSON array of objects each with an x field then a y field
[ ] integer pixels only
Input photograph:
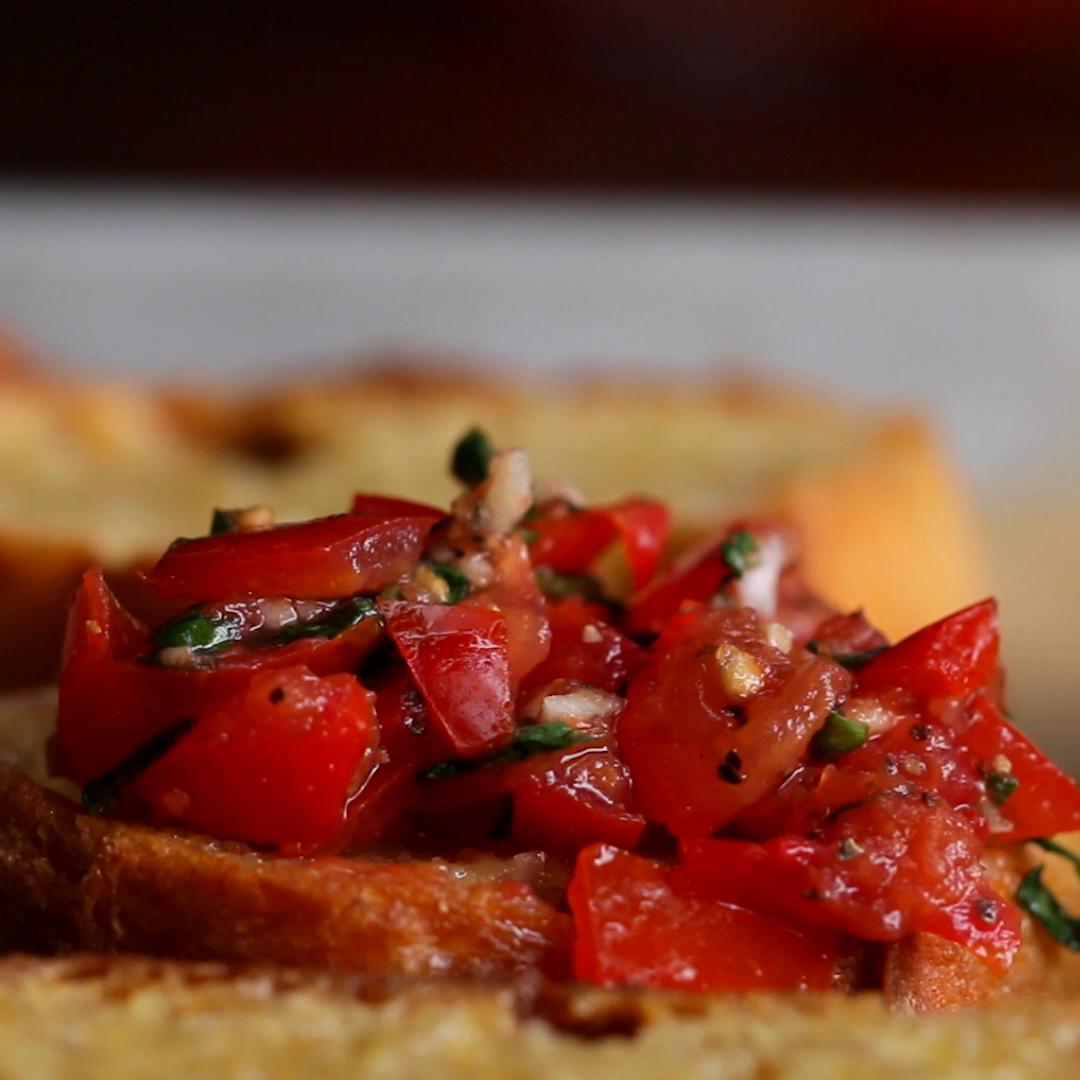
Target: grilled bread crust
[
  {"x": 111, "y": 474},
  {"x": 124, "y": 1018}
]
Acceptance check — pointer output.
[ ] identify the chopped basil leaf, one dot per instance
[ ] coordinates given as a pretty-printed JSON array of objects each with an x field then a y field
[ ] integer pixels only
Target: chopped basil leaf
[
  {"x": 198, "y": 632},
  {"x": 472, "y": 458},
  {"x": 737, "y": 551},
  {"x": 101, "y": 793},
  {"x": 999, "y": 786},
  {"x": 460, "y": 585},
  {"x": 564, "y": 586},
  {"x": 222, "y": 521},
  {"x": 1037, "y": 900},
  {"x": 1056, "y": 849},
  {"x": 530, "y": 536},
  {"x": 851, "y": 661},
  {"x": 330, "y": 625},
  {"x": 840, "y": 735},
  {"x": 527, "y": 741}
]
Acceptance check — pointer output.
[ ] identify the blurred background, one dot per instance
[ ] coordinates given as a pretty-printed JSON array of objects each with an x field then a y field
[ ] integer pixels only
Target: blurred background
[{"x": 875, "y": 197}]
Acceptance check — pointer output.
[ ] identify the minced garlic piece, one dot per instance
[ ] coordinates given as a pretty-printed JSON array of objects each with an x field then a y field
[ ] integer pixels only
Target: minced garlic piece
[
  {"x": 740, "y": 674},
  {"x": 779, "y": 637}
]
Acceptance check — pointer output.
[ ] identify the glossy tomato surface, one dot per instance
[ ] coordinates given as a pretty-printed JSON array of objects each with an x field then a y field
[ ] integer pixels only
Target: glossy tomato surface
[
  {"x": 272, "y": 765},
  {"x": 637, "y": 927},
  {"x": 883, "y": 869},
  {"x": 458, "y": 660},
  {"x": 699, "y": 755},
  {"x": 316, "y": 560}
]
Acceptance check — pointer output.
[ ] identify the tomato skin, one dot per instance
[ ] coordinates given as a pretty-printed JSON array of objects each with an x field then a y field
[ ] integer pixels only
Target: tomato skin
[
  {"x": 569, "y": 540},
  {"x": 515, "y": 593},
  {"x": 457, "y": 656},
  {"x": 111, "y": 702},
  {"x": 605, "y": 664},
  {"x": 384, "y": 507},
  {"x": 644, "y": 525},
  {"x": 699, "y": 758},
  {"x": 949, "y": 658},
  {"x": 636, "y": 926},
  {"x": 650, "y": 610},
  {"x": 848, "y": 635},
  {"x": 881, "y": 870},
  {"x": 329, "y": 558},
  {"x": 408, "y": 742},
  {"x": 574, "y": 799},
  {"x": 271, "y": 765},
  {"x": 1046, "y": 800}
]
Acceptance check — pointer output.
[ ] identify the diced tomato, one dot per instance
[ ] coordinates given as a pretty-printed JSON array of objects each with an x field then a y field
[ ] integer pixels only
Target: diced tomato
[
  {"x": 275, "y": 764},
  {"x": 515, "y": 593},
  {"x": 408, "y": 742},
  {"x": 881, "y": 870},
  {"x": 949, "y": 658},
  {"x": 698, "y": 756},
  {"x": 383, "y": 507},
  {"x": 695, "y": 581},
  {"x": 644, "y": 526},
  {"x": 112, "y": 700},
  {"x": 586, "y": 649},
  {"x": 569, "y": 540},
  {"x": 574, "y": 799},
  {"x": 316, "y": 560},
  {"x": 849, "y": 638},
  {"x": 636, "y": 927},
  {"x": 110, "y": 704},
  {"x": 1046, "y": 800},
  {"x": 457, "y": 656}
]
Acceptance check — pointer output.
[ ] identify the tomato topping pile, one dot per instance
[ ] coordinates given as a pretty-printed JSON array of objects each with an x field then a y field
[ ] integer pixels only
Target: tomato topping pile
[{"x": 748, "y": 789}]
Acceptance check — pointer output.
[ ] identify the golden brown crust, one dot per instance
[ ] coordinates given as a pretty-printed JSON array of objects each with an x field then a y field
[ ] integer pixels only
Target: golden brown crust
[
  {"x": 71, "y": 881},
  {"x": 129, "y": 1019}
]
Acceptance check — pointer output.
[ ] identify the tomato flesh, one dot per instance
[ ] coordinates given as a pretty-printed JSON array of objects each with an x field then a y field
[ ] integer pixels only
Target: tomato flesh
[
  {"x": 1046, "y": 799},
  {"x": 699, "y": 757},
  {"x": 457, "y": 656},
  {"x": 952, "y": 657},
  {"x": 883, "y": 869},
  {"x": 569, "y": 540},
  {"x": 324, "y": 559},
  {"x": 636, "y": 926},
  {"x": 515, "y": 593},
  {"x": 585, "y": 649},
  {"x": 272, "y": 765}
]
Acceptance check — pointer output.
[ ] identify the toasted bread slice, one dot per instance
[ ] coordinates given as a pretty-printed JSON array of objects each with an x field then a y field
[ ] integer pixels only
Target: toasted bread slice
[
  {"x": 72, "y": 881},
  {"x": 69, "y": 880},
  {"x": 111, "y": 474},
  {"x": 125, "y": 1019}
]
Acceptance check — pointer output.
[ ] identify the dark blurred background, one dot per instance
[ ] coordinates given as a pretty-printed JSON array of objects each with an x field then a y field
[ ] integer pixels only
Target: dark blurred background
[{"x": 972, "y": 97}]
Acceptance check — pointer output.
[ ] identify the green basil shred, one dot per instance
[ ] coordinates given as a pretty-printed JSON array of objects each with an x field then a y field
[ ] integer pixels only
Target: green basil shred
[
  {"x": 999, "y": 786},
  {"x": 840, "y": 735},
  {"x": 1039, "y": 902},
  {"x": 223, "y": 521},
  {"x": 527, "y": 741},
  {"x": 330, "y": 625},
  {"x": 738, "y": 551},
  {"x": 101, "y": 793},
  {"x": 197, "y": 631},
  {"x": 472, "y": 458}
]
